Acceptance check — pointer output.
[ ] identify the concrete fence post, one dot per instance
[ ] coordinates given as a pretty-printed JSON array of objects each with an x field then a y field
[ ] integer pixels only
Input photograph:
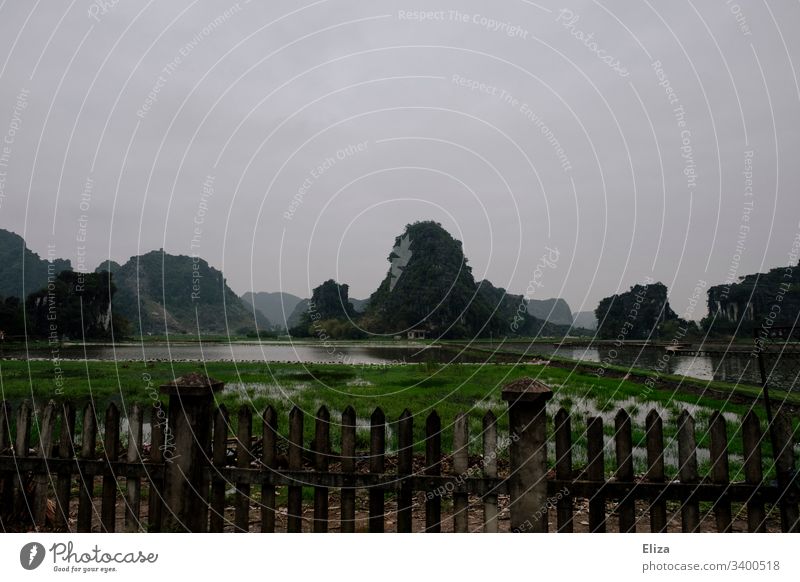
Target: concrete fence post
[
  {"x": 526, "y": 399},
  {"x": 186, "y": 444}
]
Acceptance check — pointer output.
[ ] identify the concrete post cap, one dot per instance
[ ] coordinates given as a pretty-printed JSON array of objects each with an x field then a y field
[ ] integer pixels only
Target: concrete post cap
[
  {"x": 192, "y": 384},
  {"x": 526, "y": 390}
]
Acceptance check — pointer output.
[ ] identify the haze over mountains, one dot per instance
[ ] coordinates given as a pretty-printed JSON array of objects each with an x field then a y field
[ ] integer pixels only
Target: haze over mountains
[{"x": 429, "y": 285}]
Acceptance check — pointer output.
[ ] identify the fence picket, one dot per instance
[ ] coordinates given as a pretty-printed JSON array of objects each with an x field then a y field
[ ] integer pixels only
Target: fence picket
[
  {"x": 348, "y": 493},
  {"x": 752, "y": 437},
  {"x": 66, "y": 450},
  {"x": 244, "y": 432},
  {"x": 405, "y": 460},
  {"x": 22, "y": 445},
  {"x": 294, "y": 522},
  {"x": 29, "y": 494},
  {"x": 490, "y": 470},
  {"x": 654, "y": 428},
  {"x": 134, "y": 455},
  {"x": 155, "y": 500},
  {"x": 687, "y": 461},
  {"x": 785, "y": 469},
  {"x": 623, "y": 438},
  {"x": 268, "y": 459},
  {"x": 720, "y": 470},
  {"x": 433, "y": 466},
  {"x": 108, "y": 509},
  {"x": 563, "y": 437},
  {"x": 595, "y": 471},
  {"x": 88, "y": 445},
  {"x": 219, "y": 457},
  {"x": 377, "y": 464},
  {"x": 6, "y": 479},
  {"x": 322, "y": 452},
  {"x": 460, "y": 468},
  {"x": 47, "y": 427}
]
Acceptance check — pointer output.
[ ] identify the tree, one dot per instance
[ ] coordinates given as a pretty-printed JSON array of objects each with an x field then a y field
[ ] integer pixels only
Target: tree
[
  {"x": 637, "y": 314},
  {"x": 74, "y": 305}
]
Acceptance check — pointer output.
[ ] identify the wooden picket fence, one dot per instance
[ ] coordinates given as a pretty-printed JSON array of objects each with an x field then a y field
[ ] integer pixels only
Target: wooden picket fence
[{"x": 39, "y": 481}]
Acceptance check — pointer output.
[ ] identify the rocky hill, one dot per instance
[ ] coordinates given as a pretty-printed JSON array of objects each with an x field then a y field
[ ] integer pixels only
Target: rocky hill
[
  {"x": 159, "y": 293},
  {"x": 16, "y": 258}
]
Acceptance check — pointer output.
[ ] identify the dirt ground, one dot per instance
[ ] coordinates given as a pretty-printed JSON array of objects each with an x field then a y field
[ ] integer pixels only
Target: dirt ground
[{"x": 475, "y": 513}]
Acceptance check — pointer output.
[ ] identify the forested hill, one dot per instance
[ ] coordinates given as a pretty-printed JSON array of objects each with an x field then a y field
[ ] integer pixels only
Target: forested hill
[
  {"x": 15, "y": 259},
  {"x": 159, "y": 293}
]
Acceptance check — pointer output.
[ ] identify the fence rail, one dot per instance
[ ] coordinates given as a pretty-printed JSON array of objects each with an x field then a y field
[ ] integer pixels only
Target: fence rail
[{"x": 207, "y": 479}]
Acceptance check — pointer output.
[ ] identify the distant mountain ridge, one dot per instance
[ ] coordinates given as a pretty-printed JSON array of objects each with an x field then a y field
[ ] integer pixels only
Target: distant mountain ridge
[
  {"x": 276, "y": 306},
  {"x": 551, "y": 310},
  {"x": 585, "y": 320}
]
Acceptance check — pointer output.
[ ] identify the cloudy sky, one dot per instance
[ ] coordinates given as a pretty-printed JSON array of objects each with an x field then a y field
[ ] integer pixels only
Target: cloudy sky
[{"x": 288, "y": 142}]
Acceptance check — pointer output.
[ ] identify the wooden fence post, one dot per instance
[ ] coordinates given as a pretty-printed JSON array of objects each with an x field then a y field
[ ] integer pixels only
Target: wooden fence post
[
  {"x": 461, "y": 469},
  {"x": 595, "y": 471},
  {"x": 244, "y": 432},
  {"x": 294, "y": 520},
  {"x": 268, "y": 459},
  {"x": 186, "y": 441},
  {"x": 6, "y": 481},
  {"x": 490, "y": 470},
  {"x": 563, "y": 433},
  {"x": 687, "y": 459},
  {"x": 405, "y": 465},
  {"x": 655, "y": 470},
  {"x": 624, "y": 451},
  {"x": 752, "y": 437},
  {"x": 348, "y": 468},
  {"x": 720, "y": 469},
  {"x": 322, "y": 453},
  {"x": 787, "y": 476},
  {"x": 86, "y": 482},
  {"x": 528, "y": 480},
  {"x": 108, "y": 504},
  {"x": 47, "y": 428},
  {"x": 134, "y": 455},
  {"x": 66, "y": 450},
  {"x": 377, "y": 464}
]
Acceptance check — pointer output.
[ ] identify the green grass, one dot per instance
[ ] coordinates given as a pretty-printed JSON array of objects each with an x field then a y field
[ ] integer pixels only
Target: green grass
[{"x": 422, "y": 388}]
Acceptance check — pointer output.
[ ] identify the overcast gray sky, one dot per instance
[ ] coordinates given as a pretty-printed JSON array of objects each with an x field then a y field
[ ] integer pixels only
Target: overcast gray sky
[{"x": 617, "y": 133}]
